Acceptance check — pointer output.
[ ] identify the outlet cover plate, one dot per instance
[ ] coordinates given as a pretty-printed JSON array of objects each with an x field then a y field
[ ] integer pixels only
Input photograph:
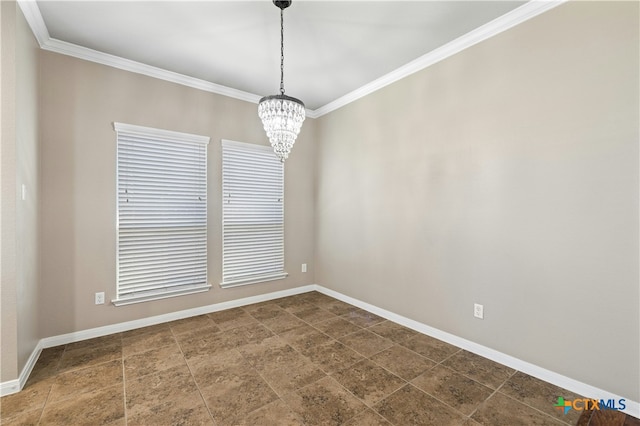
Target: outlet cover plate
[{"x": 478, "y": 311}]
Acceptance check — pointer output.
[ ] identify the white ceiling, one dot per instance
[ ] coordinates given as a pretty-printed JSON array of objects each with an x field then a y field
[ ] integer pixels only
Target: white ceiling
[{"x": 332, "y": 48}]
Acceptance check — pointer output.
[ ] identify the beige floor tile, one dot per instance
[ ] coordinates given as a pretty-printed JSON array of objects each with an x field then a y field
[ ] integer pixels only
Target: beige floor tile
[
  {"x": 324, "y": 402},
  {"x": 304, "y": 338},
  {"x": 146, "y": 330},
  {"x": 392, "y": 331},
  {"x": 25, "y": 418},
  {"x": 332, "y": 357},
  {"x": 196, "y": 343},
  {"x": 430, "y": 347},
  {"x": 274, "y": 413},
  {"x": 268, "y": 353},
  {"x": 368, "y": 418},
  {"x": 292, "y": 303},
  {"x": 299, "y": 372},
  {"x": 478, "y": 368},
  {"x": 47, "y": 364},
  {"x": 337, "y": 307},
  {"x": 368, "y": 381},
  {"x": 232, "y": 318},
  {"x": 612, "y": 418},
  {"x": 101, "y": 407},
  {"x": 265, "y": 310},
  {"x": 221, "y": 367},
  {"x": 145, "y": 393},
  {"x": 97, "y": 342},
  {"x": 312, "y": 314},
  {"x": 182, "y": 411},
  {"x": 337, "y": 327},
  {"x": 203, "y": 332},
  {"x": 144, "y": 342},
  {"x": 232, "y": 397},
  {"x": 280, "y": 365},
  {"x": 541, "y": 395},
  {"x": 500, "y": 410},
  {"x": 283, "y": 322},
  {"x": 315, "y": 298},
  {"x": 456, "y": 390},
  {"x": 246, "y": 334},
  {"x": 403, "y": 362},
  {"x": 411, "y": 406},
  {"x": 365, "y": 342},
  {"x": 630, "y": 421},
  {"x": 32, "y": 397},
  {"x": 82, "y": 357},
  {"x": 362, "y": 318},
  {"x": 153, "y": 361},
  {"x": 77, "y": 382},
  {"x": 585, "y": 418},
  {"x": 192, "y": 323}
]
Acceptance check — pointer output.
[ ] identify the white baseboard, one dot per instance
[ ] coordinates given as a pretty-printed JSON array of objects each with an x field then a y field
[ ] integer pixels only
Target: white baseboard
[
  {"x": 632, "y": 407},
  {"x": 159, "y": 319},
  {"x": 14, "y": 386}
]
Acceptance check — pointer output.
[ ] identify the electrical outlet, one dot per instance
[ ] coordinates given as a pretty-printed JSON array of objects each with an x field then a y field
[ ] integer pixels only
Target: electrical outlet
[
  {"x": 304, "y": 267},
  {"x": 478, "y": 311},
  {"x": 100, "y": 298}
]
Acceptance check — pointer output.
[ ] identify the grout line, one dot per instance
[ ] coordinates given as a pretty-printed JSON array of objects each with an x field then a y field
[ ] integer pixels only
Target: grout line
[
  {"x": 448, "y": 357},
  {"x": 590, "y": 418},
  {"x": 124, "y": 383},
  {"x": 446, "y": 404},
  {"x": 529, "y": 406},
  {"x": 184, "y": 358},
  {"x": 524, "y": 403},
  {"x": 56, "y": 371}
]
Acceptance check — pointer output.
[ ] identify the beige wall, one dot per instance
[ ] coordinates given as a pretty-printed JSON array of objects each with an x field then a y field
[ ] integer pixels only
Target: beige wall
[
  {"x": 20, "y": 165},
  {"x": 28, "y": 219},
  {"x": 8, "y": 308},
  {"x": 80, "y": 101},
  {"x": 506, "y": 175}
]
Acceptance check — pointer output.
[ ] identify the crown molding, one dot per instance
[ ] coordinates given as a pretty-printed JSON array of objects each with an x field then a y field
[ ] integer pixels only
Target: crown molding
[
  {"x": 70, "y": 49},
  {"x": 509, "y": 20},
  {"x": 517, "y": 16},
  {"x": 32, "y": 14}
]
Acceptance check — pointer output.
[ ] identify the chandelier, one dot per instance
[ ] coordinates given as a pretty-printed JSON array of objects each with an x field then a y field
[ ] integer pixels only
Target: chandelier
[{"x": 281, "y": 115}]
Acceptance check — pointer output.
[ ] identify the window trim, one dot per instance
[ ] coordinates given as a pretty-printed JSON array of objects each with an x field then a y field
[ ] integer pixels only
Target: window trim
[{"x": 162, "y": 136}]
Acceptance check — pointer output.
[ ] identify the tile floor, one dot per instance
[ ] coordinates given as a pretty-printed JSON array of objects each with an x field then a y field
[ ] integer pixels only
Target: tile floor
[{"x": 301, "y": 360}]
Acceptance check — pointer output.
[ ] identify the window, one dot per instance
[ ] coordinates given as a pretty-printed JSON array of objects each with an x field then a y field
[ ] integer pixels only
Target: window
[
  {"x": 162, "y": 214},
  {"x": 252, "y": 214}
]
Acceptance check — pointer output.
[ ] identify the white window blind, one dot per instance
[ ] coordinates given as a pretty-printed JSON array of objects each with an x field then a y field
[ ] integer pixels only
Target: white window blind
[
  {"x": 252, "y": 214},
  {"x": 162, "y": 214}
]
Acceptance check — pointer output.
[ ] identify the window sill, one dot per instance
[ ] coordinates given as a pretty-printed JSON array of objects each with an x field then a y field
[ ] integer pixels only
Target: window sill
[
  {"x": 157, "y": 296},
  {"x": 253, "y": 280}
]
